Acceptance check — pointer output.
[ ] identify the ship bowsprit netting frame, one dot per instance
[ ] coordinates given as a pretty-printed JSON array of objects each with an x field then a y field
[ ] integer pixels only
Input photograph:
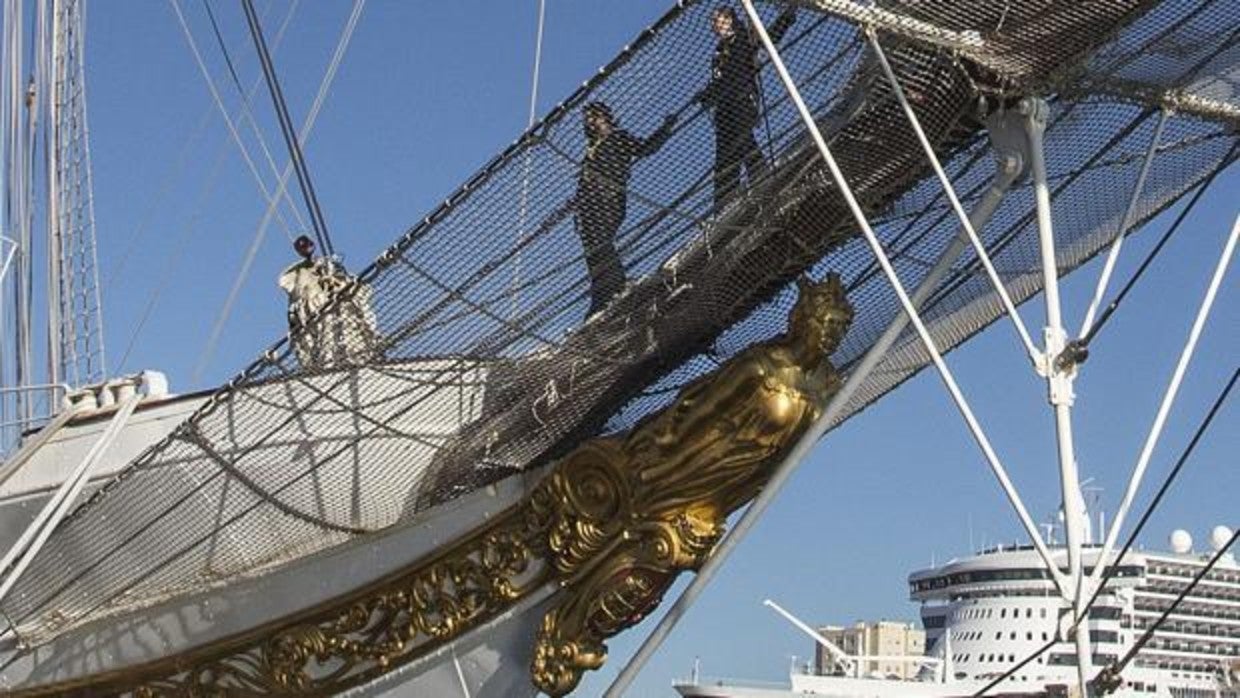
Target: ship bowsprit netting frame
[{"x": 483, "y": 362}]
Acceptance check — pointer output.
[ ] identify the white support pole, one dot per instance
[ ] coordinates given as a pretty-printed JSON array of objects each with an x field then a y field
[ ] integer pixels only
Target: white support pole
[
  {"x": 52, "y": 173},
  {"x": 1059, "y": 382},
  {"x": 1007, "y": 174},
  {"x": 850, "y": 663},
  {"x": 982, "y": 255},
  {"x": 1151, "y": 441},
  {"x": 834, "y": 408},
  {"x": 56, "y": 508},
  {"x": 914, "y": 317},
  {"x": 1088, "y": 323}
]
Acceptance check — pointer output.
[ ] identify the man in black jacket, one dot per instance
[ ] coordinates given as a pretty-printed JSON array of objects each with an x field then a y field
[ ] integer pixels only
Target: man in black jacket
[
  {"x": 602, "y": 194},
  {"x": 732, "y": 96}
]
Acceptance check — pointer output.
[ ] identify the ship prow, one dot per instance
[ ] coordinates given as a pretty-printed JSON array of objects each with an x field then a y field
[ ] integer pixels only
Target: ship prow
[{"x": 416, "y": 579}]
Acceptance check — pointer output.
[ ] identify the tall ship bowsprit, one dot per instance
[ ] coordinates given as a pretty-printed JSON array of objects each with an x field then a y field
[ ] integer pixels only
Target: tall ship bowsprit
[{"x": 473, "y": 462}]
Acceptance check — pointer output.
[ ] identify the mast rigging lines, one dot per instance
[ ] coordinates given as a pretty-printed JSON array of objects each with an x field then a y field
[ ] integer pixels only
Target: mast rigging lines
[{"x": 44, "y": 103}]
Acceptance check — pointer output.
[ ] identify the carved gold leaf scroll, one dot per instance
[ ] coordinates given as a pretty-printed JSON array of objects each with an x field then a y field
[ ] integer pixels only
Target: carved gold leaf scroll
[
  {"x": 615, "y": 522},
  {"x": 626, "y": 515}
]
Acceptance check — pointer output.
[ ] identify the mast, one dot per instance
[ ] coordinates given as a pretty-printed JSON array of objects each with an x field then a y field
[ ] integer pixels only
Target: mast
[
  {"x": 44, "y": 105},
  {"x": 75, "y": 324}
]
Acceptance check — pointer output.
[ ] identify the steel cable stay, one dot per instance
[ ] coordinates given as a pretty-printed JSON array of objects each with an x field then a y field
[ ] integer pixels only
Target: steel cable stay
[
  {"x": 208, "y": 187},
  {"x": 1110, "y": 678},
  {"x": 1169, "y": 395},
  {"x": 247, "y": 112},
  {"x": 260, "y": 233},
  {"x": 180, "y": 161},
  {"x": 1111, "y": 307},
  {"x": 1124, "y": 224},
  {"x": 1111, "y": 570},
  {"x": 290, "y": 135},
  {"x": 228, "y": 120},
  {"x": 1059, "y": 378}
]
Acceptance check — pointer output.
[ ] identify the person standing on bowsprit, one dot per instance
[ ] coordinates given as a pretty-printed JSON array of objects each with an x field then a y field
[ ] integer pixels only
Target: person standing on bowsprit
[
  {"x": 602, "y": 195},
  {"x": 732, "y": 97}
]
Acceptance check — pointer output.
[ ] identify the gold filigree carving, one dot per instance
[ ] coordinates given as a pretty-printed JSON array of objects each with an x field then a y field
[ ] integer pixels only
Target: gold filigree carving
[
  {"x": 357, "y": 638},
  {"x": 627, "y": 514},
  {"x": 615, "y": 522},
  {"x": 382, "y": 630}
]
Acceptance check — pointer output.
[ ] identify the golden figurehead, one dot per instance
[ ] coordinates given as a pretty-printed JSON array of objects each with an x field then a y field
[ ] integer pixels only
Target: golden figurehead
[{"x": 626, "y": 514}]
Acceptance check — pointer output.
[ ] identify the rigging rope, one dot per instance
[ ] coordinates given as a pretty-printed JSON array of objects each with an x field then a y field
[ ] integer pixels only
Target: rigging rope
[
  {"x": 525, "y": 179},
  {"x": 1111, "y": 570},
  {"x": 208, "y": 187},
  {"x": 286, "y": 128},
  {"x": 282, "y": 187},
  {"x": 1119, "y": 297},
  {"x": 1109, "y": 678},
  {"x": 232, "y": 127},
  {"x": 246, "y": 110},
  {"x": 182, "y": 158}
]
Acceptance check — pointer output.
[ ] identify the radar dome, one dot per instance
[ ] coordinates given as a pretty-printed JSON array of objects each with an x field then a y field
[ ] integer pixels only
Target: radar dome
[
  {"x": 1181, "y": 541},
  {"x": 1220, "y": 537}
]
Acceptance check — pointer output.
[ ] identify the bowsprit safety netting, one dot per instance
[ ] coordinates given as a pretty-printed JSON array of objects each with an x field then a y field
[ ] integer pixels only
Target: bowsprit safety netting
[{"x": 504, "y": 328}]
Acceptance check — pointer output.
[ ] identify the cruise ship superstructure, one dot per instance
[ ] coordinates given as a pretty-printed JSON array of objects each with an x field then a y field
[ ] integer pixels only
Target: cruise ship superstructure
[{"x": 984, "y": 613}]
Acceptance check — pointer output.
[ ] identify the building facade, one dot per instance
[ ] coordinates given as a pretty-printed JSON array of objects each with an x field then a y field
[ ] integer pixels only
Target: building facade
[{"x": 877, "y": 639}]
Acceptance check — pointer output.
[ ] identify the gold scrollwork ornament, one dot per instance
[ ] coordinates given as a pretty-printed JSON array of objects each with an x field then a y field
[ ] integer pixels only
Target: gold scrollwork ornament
[{"x": 627, "y": 514}]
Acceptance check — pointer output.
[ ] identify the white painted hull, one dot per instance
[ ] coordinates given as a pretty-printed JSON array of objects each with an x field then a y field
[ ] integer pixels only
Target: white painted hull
[{"x": 490, "y": 660}]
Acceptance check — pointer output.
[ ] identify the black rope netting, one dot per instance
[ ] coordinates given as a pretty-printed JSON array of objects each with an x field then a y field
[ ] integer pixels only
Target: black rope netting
[{"x": 502, "y": 330}]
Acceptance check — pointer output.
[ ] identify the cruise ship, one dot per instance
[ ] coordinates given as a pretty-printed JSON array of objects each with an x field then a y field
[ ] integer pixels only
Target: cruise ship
[{"x": 984, "y": 613}]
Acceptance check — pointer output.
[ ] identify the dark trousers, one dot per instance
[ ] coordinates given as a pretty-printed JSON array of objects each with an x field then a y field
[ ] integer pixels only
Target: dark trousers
[
  {"x": 735, "y": 148},
  {"x": 597, "y": 223}
]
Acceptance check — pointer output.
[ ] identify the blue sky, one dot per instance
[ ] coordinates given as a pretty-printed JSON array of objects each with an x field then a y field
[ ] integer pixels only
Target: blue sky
[{"x": 427, "y": 93}]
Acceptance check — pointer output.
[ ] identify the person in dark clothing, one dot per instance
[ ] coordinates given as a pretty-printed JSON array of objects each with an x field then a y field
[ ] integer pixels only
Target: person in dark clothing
[
  {"x": 602, "y": 195},
  {"x": 732, "y": 96}
]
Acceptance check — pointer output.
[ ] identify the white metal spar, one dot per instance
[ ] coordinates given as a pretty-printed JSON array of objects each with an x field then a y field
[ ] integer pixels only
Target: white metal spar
[
  {"x": 880, "y": 254},
  {"x": 978, "y": 247},
  {"x": 1169, "y": 396},
  {"x": 1008, "y": 169},
  {"x": 1007, "y": 172},
  {"x": 1059, "y": 378},
  {"x": 1113, "y": 255},
  {"x": 37, "y": 533}
]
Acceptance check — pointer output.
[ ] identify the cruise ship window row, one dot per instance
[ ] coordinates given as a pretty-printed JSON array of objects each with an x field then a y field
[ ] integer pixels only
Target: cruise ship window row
[
  {"x": 960, "y": 636},
  {"x": 985, "y": 613},
  {"x": 1201, "y": 592},
  {"x": 1217, "y": 576},
  {"x": 1004, "y": 575},
  {"x": 1216, "y": 612},
  {"x": 1187, "y": 627},
  {"x": 1190, "y": 692},
  {"x": 1210, "y": 668},
  {"x": 1099, "y": 659},
  {"x": 1178, "y": 645}
]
